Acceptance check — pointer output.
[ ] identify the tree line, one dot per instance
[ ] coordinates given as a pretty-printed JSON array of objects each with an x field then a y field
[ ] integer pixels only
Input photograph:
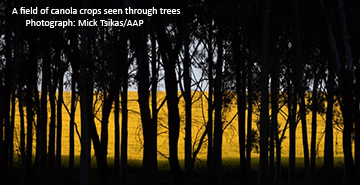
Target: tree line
[{"x": 302, "y": 55}]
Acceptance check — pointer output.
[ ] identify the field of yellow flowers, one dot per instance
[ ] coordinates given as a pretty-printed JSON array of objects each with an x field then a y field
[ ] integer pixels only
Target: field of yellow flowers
[{"x": 199, "y": 113}]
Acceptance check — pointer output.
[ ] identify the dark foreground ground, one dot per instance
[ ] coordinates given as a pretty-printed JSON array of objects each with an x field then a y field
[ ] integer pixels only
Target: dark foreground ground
[{"x": 230, "y": 174}]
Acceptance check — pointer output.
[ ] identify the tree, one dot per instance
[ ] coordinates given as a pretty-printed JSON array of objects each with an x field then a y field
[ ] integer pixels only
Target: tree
[
  {"x": 299, "y": 88},
  {"x": 264, "y": 113},
  {"x": 218, "y": 96},
  {"x": 329, "y": 148},
  {"x": 241, "y": 101},
  {"x": 124, "y": 104},
  {"x": 85, "y": 104},
  {"x": 187, "y": 98},
  {"x": 149, "y": 127},
  {"x": 169, "y": 55}
]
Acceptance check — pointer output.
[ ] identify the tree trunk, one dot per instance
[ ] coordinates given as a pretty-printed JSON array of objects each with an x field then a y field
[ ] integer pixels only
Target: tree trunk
[
  {"x": 124, "y": 106},
  {"x": 85, "y": 104},
  {"x": 187, "y": 98},
  {"x": 61, "y": 70},
  {"x": 292, "y": 107},
  {"x": 22, "y": 128},
  {"x": 169, "y": 56},
  {"x": 117, "y": 138},
  {"x": 345, "y": 83},
  {"x": 149, "y": 127},
  {"x": 218, "y": 110},
  {"x": 249, "y": 117},
  {"x": 210, "y": 151},
  {"x": 45, "y": 86},
  {"x": 274, "y": 120},
  {"x": 348, "y": 100},
  {"x": 74, "y": 58},
  {"x": 52, "y": 97},
  {"x": 241, "y": 104},
  {"x": 357, "y": 117},
  {"x": 314, "y": 126},
  {"x": 31, "y": 83},
  {"x": 299, "y": 88},
  {"x": 329, "y": 139},
  {"x": 264, "y": 112}
]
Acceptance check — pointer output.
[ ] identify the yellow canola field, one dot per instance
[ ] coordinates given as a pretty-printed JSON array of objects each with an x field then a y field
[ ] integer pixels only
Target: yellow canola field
[{"x": 199, "y": 117}]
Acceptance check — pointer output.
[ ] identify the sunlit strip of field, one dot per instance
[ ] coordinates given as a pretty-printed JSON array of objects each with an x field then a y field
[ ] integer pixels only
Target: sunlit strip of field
[{"x": 199, "y": 117}]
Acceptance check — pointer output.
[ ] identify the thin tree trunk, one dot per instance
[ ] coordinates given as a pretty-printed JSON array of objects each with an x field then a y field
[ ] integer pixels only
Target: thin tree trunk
[
  {"x": 329, "y": 139},
  {"x": 22, "y": 128},
  {"x": 72, "y": 125},
  {"x": 169, "y": 56},
  {"x": 61, "y": 71},
  {"x": 31, "y": 81},
  {"x": 11, "y": 137},
  {"x": 210, "y": 152},
  {"x": 357, "y": 118},
  {"x": 187, "y": 98},
  {"x": 264, "y": 112},
  {"x": 241, "y": 104},
  {"x": 117, "y": 114},
  {"x": 314, "y": 126},
  {"x": 249, "y": 118},
  {"x": 52, "y": 129},
  {"x": 154, "y": 82},
  {"x": 292, "y": 107},
  {"x": 44, "y": 116},
  {"x": 74, "y": 58},
  {"x": 274, "y": 119},
  {"x": 299, "y": 88},
  {"x": 124, "y": 107},
  {"x": 218, "y": 110},
  {"x": 149, "y": 132},
  {"x": 117, "y": 138},
  {"x": 85, "y": 105}
]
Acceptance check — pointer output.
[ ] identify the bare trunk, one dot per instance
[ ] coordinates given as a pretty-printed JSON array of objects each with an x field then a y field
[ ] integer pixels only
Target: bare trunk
[
  {"x": 85, "y": 104},
  {"x": 329, "y": 139},
  {"x": 274, "y": 121},
  {"x": 22, "y": 128},
  {"x": 45, "y": 86},
  {"x": 116, "y": 113},
  {"x": 154, "y": 75},
  {"x": 74, "y": 58},
  {"x": 187, "y": 98},
  {"x": 170, "y": 57},
  {"x": 210, "y": 152},
  {"x": 124, "y": 107},
  {"x": 218, "y": 110},
  {"x": 31, "y": 81},
  {"x": 72, "y": 125},
  {"x": 149, "y": 126},
  {"x": 292, "y": 107},
  {"x": 314, "y": 126},
  {"x": 117, "y": 138},
  {"x": 249, "y": 118},
  {"x": 299, "y": 88},
  {"x": 348, "y": 100},
  {"x": 241, "y": 104},
  {"x": 264, "y": 112},
  {"x": 61, "y": 71},
  {"x": 51, "y": 159}
]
